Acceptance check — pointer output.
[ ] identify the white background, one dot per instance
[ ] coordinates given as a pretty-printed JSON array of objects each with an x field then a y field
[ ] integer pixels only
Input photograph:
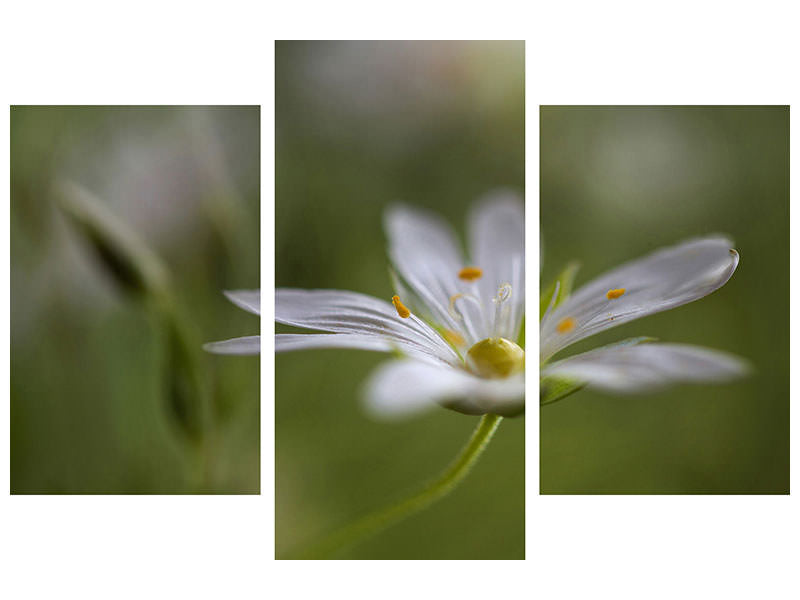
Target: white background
[{"x": 223, "y": 53}]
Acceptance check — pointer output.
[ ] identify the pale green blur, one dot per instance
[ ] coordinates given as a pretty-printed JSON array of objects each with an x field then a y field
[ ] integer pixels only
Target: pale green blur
[{"x": 115, "y": 286}]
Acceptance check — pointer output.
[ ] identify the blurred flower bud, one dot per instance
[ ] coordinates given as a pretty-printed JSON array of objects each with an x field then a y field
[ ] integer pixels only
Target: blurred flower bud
[
  {"x": 186, "y": 402},
  {"x": 129, "y": 261},
  {"x": 140, "y": 271}
]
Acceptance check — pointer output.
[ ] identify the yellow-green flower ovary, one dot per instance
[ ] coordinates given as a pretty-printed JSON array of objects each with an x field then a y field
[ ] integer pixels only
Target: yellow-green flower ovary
[{"x": 496, "y": 358}]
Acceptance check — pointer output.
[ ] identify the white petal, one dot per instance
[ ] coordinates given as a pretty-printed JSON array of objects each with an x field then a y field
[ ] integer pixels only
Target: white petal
[
  {"x": 426, "y": 255},
  {"x": 288, "y": 342},
  {"x": 659, "y": 281},
  {"x": 352, "y": 313},
  {"x": 404, "y": 387},
  {"x": 249, "y": 300},
  {"x": 630, "y": 369},
  {"x": 497, "y": 244},
  {"x": 242, "y": 345}
]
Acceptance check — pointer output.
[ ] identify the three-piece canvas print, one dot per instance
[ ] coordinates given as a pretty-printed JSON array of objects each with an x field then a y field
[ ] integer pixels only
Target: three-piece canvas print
[{"x": 400, "y": 307}]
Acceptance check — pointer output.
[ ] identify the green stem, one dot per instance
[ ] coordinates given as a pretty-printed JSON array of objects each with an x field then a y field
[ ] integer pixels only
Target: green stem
[{"x": 381, "y": 519}]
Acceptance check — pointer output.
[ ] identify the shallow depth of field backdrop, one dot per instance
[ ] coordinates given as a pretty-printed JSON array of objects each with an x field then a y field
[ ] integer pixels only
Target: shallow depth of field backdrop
[
  {"x": 360, "y": 125},
  {"x": 617, "y": 183},
  {"x": 90, "y": 385}
]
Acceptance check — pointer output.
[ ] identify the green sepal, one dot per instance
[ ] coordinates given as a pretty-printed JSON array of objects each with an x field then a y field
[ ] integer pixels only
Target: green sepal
[
  {"x": 552, "y": 389},
  {"x": 565, "y": 279}
]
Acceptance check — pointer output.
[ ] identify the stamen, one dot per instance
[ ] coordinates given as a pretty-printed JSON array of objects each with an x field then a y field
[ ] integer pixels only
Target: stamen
[
  {"x": 453, "y": 337},
  {"x": 566, "y": 325},
  {"x": 470, "y": 273},
  {"x": 614, "y": 294},
  {"x": 401, "y": 308}
]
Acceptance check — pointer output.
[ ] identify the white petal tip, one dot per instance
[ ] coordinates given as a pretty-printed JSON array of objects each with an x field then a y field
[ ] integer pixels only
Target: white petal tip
[
  {"x": 249, "y": 300},
  {"x": 238, "y": 346}
]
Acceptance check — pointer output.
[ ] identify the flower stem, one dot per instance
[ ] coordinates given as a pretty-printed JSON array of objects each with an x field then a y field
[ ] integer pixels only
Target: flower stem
[{"x": 381, "y": 519}]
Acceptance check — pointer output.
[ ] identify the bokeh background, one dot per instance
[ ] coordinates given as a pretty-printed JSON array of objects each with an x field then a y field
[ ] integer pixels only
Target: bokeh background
[
  {"x": 618, "y": 182},
  {"x": 91, "y": 406},
  {"x": 360, "y": 125}
]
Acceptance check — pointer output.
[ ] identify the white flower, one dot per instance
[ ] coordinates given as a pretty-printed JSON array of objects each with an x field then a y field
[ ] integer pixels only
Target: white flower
[
  {"x": 249, "y": 300},
  {"x": 659, "y": 281},
  {"x": 456, "y": 322}
]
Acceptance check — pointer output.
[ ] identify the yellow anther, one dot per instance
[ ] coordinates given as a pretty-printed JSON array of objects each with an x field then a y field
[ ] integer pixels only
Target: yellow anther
[
  {"x": 614, "y": 294},
  {"x": 453, "y": 337},
  {"x": 566, "y": 325},
  {"x": 401, "y": 308},
  {"x": 470, "y": 273}
]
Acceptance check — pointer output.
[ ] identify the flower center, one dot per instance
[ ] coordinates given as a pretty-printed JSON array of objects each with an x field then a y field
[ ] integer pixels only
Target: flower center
[{"x": 495, "y": 358}]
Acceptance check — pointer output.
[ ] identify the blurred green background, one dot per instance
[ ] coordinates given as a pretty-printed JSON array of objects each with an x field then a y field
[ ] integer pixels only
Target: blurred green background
[
  {"x": 359, "y": 125},
  {"x": 91, "y": 410},
  {"x": 618, "y": 182}
]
